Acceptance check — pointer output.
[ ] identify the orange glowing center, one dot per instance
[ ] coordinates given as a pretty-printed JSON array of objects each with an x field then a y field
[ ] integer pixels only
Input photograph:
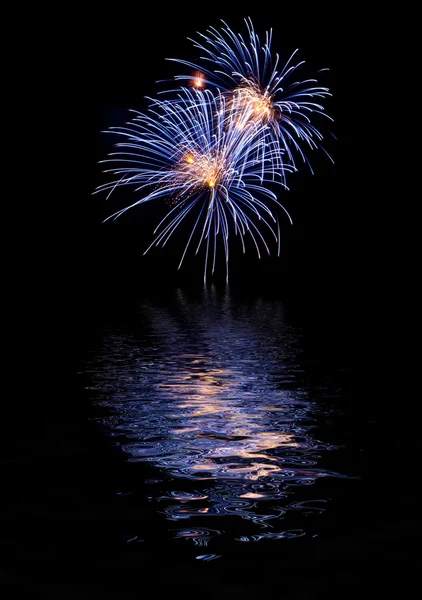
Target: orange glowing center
[
  {"x": 252, "y": 97},
  {"x": 198, "y": 80},
  {"x": 200, "y": 170}
]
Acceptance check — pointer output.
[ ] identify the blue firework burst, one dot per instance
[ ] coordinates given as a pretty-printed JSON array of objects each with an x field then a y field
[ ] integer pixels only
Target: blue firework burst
[{"x": 199, "y": 153}]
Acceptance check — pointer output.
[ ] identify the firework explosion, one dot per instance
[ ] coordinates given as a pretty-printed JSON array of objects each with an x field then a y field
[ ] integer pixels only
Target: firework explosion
[{"x": 214, "y": 146}]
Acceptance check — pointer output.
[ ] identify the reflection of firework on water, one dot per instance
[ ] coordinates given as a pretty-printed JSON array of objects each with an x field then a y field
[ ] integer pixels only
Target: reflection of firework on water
[
  {"x": 201, "y": 158},
  {"x": 211, "y": 397},
  {"x": 213, "y": 149},
  {"x": 247, "y": 72}
]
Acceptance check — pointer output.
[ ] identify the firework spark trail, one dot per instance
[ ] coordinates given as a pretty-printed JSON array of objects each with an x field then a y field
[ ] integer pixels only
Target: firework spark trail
[
  {"x": 200, "y": 152},
  {"x": 247, "y": 72}
]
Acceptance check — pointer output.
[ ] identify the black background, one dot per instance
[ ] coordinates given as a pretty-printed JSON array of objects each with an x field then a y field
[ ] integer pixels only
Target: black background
[{"x": 337, "y": 264}]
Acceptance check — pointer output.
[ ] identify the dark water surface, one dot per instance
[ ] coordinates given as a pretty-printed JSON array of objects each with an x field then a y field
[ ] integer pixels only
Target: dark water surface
[
  {"x": 208, "y": 441},
  {"x": 212, "y": 395}
]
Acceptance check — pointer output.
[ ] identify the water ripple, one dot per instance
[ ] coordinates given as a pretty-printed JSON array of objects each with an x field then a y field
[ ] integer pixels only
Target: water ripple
[{"x": 213, "y": 396}]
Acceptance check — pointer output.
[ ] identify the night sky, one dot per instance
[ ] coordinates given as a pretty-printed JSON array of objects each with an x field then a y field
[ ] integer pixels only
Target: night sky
[{"x": 115, "y": 61}]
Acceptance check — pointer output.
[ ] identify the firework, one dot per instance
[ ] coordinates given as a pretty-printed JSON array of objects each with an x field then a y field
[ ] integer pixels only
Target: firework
[
  {"x": 248, "y": 74},
  {"x": 199, "y": 155},
  {"x": 213, "y": 148}
]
